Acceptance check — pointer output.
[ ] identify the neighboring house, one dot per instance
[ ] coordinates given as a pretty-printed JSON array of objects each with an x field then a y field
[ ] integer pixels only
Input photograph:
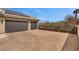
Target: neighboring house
[{"x": 12, "y": 21}]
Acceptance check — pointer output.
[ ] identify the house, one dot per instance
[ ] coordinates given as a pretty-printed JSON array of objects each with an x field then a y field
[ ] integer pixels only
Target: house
[{"x": 13, "y": 21}]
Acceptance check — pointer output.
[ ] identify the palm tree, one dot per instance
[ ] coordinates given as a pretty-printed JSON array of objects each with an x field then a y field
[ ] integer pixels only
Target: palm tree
[{"x": 76, "y": 12}]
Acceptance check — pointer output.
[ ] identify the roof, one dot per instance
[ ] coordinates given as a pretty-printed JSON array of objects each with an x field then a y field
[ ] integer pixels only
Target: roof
[
  {"x": 18, "y": 15},
  {"x": 15, "y": 13}
]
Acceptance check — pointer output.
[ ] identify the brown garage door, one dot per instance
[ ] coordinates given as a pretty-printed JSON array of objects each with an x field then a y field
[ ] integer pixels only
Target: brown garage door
[
  {"x": 33, "y": 25},
  {"x": 14, "y": 26}
]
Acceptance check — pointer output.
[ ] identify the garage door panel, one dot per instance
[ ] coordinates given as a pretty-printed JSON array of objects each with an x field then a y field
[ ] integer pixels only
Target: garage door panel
[{"x": 13, "y": 26}]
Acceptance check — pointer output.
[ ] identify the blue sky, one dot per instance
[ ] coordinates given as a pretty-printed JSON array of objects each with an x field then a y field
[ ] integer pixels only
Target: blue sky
[{"x": 46, "y": 14}]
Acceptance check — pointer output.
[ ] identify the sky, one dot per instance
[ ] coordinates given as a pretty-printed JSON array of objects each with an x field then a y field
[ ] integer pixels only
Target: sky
[{"x": 46, "y": 14}]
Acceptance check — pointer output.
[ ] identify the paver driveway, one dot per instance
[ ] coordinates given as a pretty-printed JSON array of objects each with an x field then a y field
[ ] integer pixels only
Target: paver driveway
[{"x": 34, "y": 40}]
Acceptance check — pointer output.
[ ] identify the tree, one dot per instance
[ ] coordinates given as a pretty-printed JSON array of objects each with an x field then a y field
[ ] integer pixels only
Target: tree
[
  {"x": 70, "y": 20},
  {"x": 76, "y": 11}
]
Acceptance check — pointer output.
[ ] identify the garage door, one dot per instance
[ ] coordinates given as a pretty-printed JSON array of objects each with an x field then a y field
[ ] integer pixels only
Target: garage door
[
  {"x": 14, "y": 26},
  {"x": 33, "y": 25}
]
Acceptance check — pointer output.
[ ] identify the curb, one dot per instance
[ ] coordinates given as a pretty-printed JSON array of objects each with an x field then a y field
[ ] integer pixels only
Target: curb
[{"x": 64, "y": 42}]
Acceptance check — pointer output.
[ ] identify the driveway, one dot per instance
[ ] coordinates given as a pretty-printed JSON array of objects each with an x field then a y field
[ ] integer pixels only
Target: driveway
[{"x": 34, "y": 40}]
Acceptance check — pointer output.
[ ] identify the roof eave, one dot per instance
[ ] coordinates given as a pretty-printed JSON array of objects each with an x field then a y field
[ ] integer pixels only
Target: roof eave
[{"x": 19, "y": 17}]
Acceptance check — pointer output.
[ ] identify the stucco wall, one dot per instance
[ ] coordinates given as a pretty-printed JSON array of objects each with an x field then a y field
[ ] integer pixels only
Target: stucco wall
[{"x": 2, "y": 25}]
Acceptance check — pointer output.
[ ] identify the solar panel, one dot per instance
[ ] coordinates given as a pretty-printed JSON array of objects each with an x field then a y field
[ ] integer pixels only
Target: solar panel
[{"x": 15, "y": 12}]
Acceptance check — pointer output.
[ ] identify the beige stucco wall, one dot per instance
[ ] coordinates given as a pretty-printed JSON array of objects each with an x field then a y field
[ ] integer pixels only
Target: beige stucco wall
[
  {"x": 2, "y": 25},
  {"x": 29, "y": 25}
]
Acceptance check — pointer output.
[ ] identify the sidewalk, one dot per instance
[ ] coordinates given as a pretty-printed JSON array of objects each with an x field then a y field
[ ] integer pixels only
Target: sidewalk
[{"x": 72, "y": 43}]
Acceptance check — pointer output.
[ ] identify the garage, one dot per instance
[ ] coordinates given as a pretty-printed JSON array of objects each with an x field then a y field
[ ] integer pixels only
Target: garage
[
  {"x": 14, "y": 26},
  {"x": 33, "y": 25},
  {"x": 13, "y": 21}
]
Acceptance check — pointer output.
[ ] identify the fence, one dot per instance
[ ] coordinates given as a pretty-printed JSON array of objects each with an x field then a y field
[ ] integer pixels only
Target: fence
[{"x": 73, "y": 30}]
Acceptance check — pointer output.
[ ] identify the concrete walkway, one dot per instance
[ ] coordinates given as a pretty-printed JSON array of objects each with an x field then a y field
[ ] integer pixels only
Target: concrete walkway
[{"x": 72, "y": 43}]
